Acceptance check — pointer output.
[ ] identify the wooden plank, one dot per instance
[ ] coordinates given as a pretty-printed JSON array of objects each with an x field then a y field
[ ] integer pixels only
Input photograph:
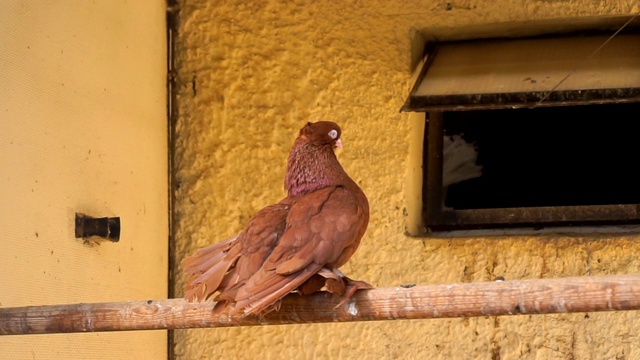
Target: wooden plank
[{"x": 540, "y": 296}]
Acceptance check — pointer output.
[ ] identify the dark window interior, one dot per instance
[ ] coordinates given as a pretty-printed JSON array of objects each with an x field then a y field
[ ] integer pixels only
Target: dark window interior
[
  {"x": 561, "y": 156},
  {"x": 547, "y": 166}
]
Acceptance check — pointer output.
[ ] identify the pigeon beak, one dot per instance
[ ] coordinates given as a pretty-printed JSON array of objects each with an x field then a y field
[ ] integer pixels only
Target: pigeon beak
[{"x": 339, "y": 143}]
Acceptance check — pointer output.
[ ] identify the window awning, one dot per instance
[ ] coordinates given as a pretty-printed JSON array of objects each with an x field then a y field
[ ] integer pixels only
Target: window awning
[{"x": 514, "y": 73}]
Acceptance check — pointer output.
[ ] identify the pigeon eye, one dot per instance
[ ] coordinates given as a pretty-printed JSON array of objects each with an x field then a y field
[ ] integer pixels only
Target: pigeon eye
[{"x": 333, "y": 134}]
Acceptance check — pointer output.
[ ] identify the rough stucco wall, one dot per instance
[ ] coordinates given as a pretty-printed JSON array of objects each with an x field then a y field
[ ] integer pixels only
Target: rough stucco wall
[{"x": 260, "y": 71}]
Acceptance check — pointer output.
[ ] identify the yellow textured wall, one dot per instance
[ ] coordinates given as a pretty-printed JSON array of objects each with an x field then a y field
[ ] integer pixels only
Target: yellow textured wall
[{"x": 249, "y": 75}]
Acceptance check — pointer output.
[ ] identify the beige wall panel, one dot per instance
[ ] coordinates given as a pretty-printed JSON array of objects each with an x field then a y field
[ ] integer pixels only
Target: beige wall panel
[
  {"x": 82, "y": 128},
  {"x": 263, "y": 68}
]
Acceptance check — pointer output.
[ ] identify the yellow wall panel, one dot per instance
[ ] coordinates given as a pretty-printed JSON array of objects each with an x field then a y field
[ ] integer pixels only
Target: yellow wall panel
[{"x": 82, "y": 129}]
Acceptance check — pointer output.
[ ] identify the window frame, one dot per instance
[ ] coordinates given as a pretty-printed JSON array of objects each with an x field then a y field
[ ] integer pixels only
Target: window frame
[{"x": 438, "y": 218}]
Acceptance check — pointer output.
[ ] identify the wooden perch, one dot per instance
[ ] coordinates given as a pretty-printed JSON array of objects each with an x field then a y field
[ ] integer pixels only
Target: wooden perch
[{"x": 542, "y": 296}]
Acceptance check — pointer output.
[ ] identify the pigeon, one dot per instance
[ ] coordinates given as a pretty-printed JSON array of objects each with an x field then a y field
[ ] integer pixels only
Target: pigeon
[{"x": 295, "y": 245}]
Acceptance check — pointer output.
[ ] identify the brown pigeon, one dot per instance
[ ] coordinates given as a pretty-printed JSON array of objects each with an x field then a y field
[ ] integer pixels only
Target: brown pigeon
[{"x": 297, "y": 244}]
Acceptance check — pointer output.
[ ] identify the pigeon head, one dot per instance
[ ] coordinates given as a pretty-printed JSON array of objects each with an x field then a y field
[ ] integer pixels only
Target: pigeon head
[{"x": 322, "y": 133}]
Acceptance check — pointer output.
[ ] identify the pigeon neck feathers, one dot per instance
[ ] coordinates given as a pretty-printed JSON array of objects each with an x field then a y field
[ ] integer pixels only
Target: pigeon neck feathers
[{"x": 312, "y": 163}]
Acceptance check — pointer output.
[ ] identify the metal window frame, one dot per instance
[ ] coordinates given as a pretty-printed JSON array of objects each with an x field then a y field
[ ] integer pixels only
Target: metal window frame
[
  {"x": 437, "y": 218},
  {"x": 578, "y": 89}
]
